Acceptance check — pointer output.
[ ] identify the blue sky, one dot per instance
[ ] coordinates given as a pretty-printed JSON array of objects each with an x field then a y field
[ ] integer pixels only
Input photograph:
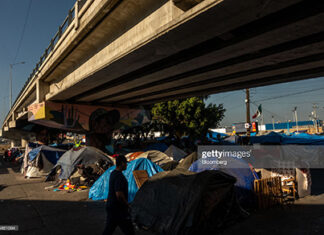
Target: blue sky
[
  {"x": 46, "y": 15},
  {"x": 277, "y": 100}
]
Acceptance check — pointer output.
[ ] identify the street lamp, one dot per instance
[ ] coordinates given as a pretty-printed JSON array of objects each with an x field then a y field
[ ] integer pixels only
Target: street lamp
[{"x": 11, "y": 66}]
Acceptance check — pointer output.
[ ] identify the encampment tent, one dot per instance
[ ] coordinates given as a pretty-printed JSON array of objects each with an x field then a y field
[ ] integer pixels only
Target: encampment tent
[
  {"x": 295, "y": 138},
  {"x": 271, "y": 138},
  {"x": 40, "y": 160},
  {"x": 243, "y": 174},
  {"x": 182, "y": 202},
  {"x": 175, "y": 152},
  {"x": 29, "y": 147},
  {"x": 303, "y": 138},
  {"x": 100, "y": 189},
  {"x": 186, "y": 162},
  {"x": 80, "y": 156},
  {"x": 157, "y": 157}
]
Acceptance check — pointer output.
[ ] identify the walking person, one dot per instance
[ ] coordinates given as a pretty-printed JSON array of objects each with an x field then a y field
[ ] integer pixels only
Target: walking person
[{"x": 117, "y": 205}]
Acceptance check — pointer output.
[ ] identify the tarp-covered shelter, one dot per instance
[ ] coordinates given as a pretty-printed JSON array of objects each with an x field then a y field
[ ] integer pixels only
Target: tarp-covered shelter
[
  {"x": 28, "y": 148},
  {"x": 303, "y": 138},
  {"x": 155, "y": 156},
  {"x": 243, "y": 174},
  {"x": 183, "y": 202},
  {"x": 175, "y": 152},
  {"x": 186, "y": 162},
  {"x": 271, "y": 138},
  {"x": 295, "y": 138},
  {"x": 80, "y": 156},
  {"x": 100, "y": 189},
  {"x": 40, "y": 160}
]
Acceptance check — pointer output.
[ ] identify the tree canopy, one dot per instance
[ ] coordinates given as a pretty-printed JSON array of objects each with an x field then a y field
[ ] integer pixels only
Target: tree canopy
[{"x": 189, "y": 116}]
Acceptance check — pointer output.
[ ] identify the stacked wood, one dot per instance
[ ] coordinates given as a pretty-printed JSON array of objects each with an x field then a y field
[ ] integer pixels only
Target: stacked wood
[{"x": 268, "y": 192}]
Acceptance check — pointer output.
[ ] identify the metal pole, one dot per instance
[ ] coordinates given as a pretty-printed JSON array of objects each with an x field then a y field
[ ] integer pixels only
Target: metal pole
[
  {"x": 10, "y": 86},
  {"x": 273, "y": 126},
  {"x": 296, "y": 120},
  {"x": 315, "y": 117},
  {"x": 247, "y": 102}
]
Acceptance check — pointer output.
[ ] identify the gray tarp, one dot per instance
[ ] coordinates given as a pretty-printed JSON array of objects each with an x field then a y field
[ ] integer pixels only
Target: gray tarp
[
  {"x": 85, "y": 156},
  {"x": 155, "y": 156},
  {"x": 182, "y": 202},
  {"x": 176, "y": 153},
  {"x": 186, "y": 162}
]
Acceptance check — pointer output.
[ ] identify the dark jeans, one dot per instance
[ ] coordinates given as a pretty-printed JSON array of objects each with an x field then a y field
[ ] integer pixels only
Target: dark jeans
[{"x": 116, "y": 218}]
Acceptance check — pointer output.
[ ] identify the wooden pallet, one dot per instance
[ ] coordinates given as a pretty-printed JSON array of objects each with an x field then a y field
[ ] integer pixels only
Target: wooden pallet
[
  {"x": 268, "y": 192},
  {"x": 140, "y": 177}
]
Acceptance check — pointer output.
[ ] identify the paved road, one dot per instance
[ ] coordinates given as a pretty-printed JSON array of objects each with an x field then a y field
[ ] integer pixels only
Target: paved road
[
  {"x": 37, "y": 211},
  {"x": 26, "y": 203}
]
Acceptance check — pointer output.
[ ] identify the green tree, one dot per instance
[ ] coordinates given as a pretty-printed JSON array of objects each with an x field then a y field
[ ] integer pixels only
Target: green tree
[{"x": 188, "y": 116}]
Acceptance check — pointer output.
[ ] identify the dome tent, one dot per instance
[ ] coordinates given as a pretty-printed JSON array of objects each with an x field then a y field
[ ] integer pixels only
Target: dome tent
[
  {"x": 85, "y": 156},
  {"x": 100, "y": 189}
]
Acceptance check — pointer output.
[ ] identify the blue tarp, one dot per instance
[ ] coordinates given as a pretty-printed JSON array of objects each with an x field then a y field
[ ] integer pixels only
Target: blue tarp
[
  {"x": 212, "y": 136},
  {"x": 51, "y": 154},
  {"x": 100, "y": 189},
  {"x": 271, "y": 138},
  {"x": 243, "y": 175},
  {"x": 295, "y": 138},
  {"x": 303, "y": 138},
  {"x": 33, "y": 145}
]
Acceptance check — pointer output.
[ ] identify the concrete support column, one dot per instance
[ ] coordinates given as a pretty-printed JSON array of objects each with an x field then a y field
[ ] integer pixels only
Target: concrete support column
[
  {"x": 24, "y": 142},
  {"x": 14, "y": 143},
  {"x": 42, "y": 88},
  {"x": 12, "y": 122}
]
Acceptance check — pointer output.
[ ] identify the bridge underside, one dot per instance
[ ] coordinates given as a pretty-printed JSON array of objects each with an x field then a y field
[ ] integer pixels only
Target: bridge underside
[
  {"x": 266, "y": 43},
  {"x": 140, "y": 52}
]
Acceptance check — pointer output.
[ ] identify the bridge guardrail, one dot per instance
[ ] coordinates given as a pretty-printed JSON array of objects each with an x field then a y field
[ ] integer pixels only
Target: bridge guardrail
[{"x": 66, "y": 23}]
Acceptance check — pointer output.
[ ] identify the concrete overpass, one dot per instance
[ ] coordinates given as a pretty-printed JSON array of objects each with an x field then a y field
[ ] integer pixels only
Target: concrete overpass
[{"x": 134, "y": 52}]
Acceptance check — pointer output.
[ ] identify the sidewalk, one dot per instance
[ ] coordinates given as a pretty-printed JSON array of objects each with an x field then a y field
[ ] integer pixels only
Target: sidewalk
[{"x": 25, "y": 202}]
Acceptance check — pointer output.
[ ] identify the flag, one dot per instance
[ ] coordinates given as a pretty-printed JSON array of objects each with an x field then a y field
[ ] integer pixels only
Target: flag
[{"x": 258, "y": 112}]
